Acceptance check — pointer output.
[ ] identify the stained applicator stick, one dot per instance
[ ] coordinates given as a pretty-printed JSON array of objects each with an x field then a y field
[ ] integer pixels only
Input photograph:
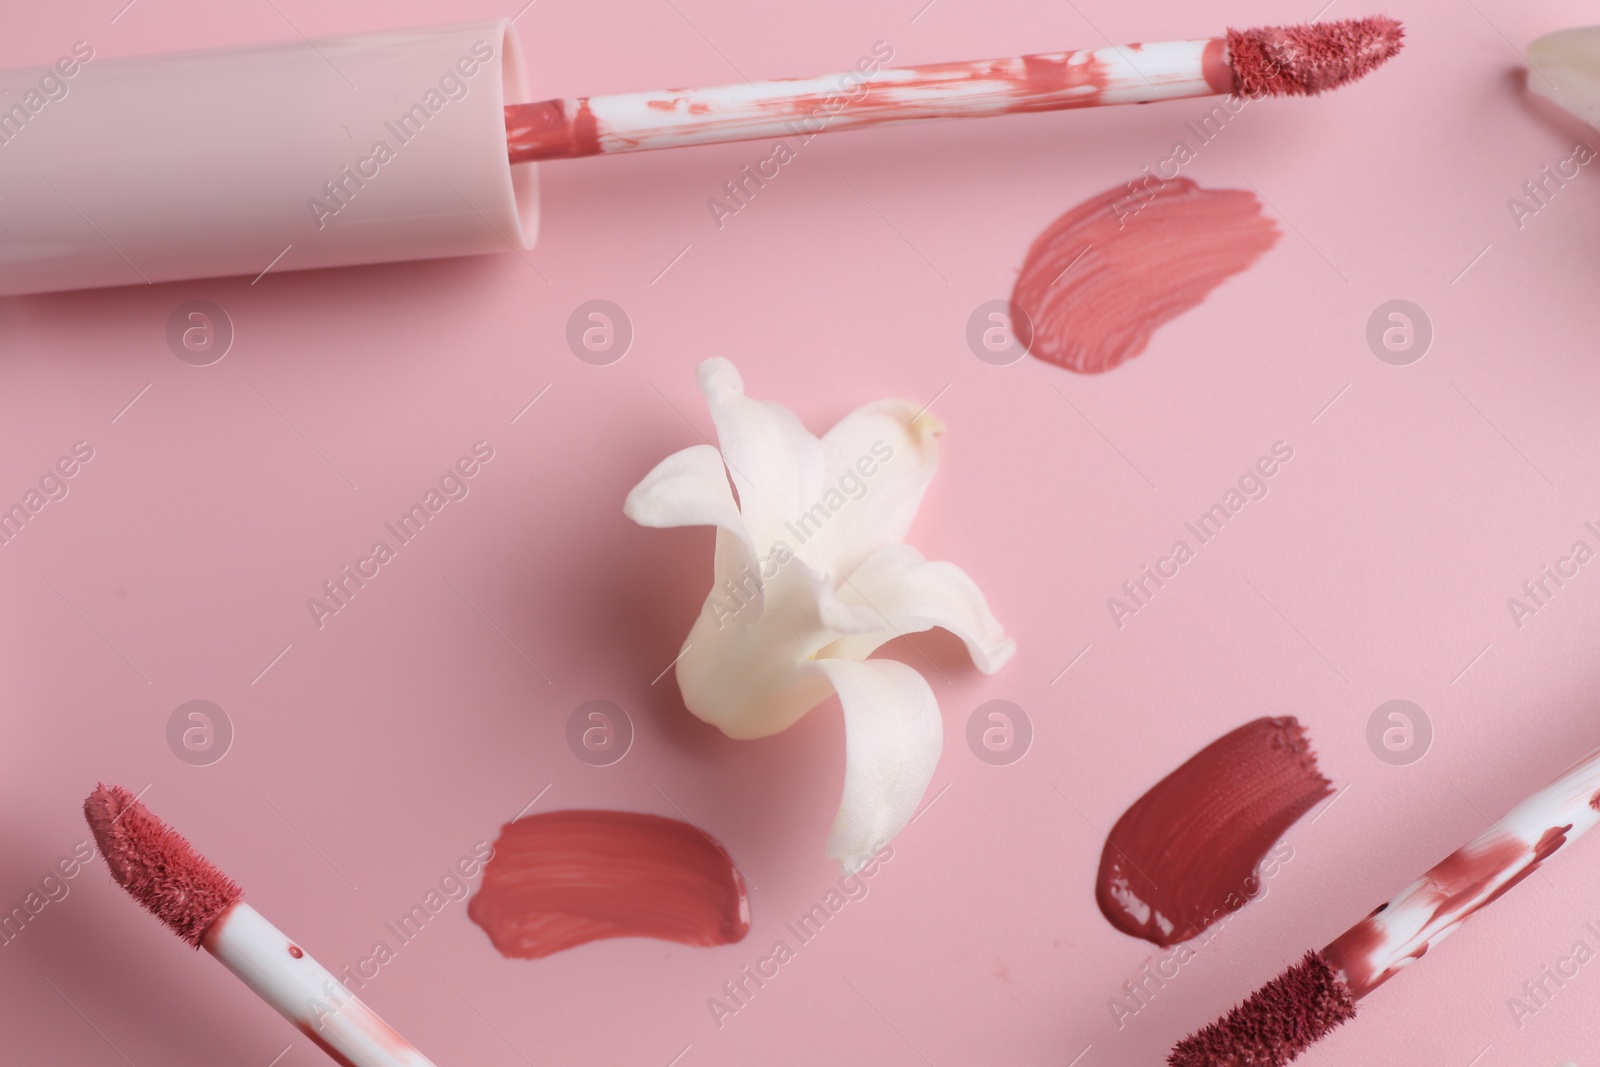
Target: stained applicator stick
[
  {"x": 1273, "y": 61},
  {"x": 163, "y": 872},
  {"x": 1293, "y": 1011}
]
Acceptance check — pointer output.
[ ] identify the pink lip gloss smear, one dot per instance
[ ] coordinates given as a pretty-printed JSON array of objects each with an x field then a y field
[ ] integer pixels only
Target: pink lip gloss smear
[
  {"x": 1186, "y": 853},
  {"x": 1106, "y": 275},
  {"x": 563, "y": 878}
]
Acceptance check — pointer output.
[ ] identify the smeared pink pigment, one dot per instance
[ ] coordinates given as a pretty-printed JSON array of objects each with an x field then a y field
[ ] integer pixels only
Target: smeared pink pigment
[
  {"x": 1188, "y": 851},
  {"x": 321, "y": 1042},
  {"x": 568, "y": 877},
  {"x": 1214, "y": 63},
  {"x": 1101, "y": 279},
  {"x": 550, "y": 129}
]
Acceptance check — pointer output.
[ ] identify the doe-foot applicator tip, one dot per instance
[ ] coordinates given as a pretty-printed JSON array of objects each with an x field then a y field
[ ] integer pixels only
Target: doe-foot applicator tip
[
  {"x": 1278, "y": 1022},
  {"x": 157, "y": 865},
  {"x": 1311, "y": 58}
]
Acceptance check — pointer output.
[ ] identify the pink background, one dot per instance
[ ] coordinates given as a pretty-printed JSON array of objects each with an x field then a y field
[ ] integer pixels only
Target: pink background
[{"x": 378, "y": 750}]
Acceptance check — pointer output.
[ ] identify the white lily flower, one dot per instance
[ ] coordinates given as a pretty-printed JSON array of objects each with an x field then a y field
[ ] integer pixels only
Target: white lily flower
[{"x": 812, "y": 575}]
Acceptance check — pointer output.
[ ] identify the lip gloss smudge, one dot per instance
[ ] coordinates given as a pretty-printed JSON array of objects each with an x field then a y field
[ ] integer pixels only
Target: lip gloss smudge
[
  {"x": 1186, "y": 852},
  {"x": 1101, "y": 279},
  {"x": 564, "y": 878}
]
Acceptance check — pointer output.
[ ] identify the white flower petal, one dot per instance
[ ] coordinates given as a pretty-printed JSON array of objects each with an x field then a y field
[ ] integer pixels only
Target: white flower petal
[
  {"x": 688, "y": 488},
  {"x": 893, "y": 736},
  {"x": 909, "y": 594},
  {"x": 775, "y": 462},
  {"x": 880, "y": 459},
  {"x": 811, "y": 576},
  {"x": 748, "y": 671}
]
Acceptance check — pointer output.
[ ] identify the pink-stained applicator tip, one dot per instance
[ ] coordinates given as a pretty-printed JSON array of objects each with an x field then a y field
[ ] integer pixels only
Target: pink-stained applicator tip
[
  {"x": 157, "y": 865},
  {"x": 1309, "y": 59}
]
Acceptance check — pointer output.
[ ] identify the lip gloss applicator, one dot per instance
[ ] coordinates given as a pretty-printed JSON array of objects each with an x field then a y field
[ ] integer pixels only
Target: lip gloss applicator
[
  {"x": 418, "y": 144},
  {"x": 1319, "y": 993},
  {"x": 196, "y": 901},
  {"x": 1271, "y": 61}
]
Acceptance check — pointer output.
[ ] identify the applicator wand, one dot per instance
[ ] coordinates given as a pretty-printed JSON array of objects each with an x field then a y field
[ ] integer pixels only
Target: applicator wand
[
  {"x": 418, "y": 144},
  {"x": 196, "y": 901},
  {"x": 1299, "y": 1007},
  {"x": 1272, "y": 61}
]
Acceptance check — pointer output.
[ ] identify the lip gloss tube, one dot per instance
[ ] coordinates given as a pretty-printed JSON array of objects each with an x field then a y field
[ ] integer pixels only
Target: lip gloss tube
[{"x": 364, "y": 148}]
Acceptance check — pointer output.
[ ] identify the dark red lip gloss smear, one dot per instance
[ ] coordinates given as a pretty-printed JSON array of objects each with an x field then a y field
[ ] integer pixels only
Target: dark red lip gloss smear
[
  {"x": 563, "y": 878},
  {"x": 1186, "y": 852}
]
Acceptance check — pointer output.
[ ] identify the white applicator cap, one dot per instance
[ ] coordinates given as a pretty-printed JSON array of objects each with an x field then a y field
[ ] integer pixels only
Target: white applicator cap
[
  {"x": 367, "y": 148},
  {"x": 1566, "y": 70}
]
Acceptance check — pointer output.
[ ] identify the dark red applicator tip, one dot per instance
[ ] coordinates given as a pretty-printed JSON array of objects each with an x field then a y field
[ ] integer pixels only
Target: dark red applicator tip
[
  {"x": 1280, "y": 1020},
  {"x": 157, "y": 865},
  {"x": 1309, "y": 59}
]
